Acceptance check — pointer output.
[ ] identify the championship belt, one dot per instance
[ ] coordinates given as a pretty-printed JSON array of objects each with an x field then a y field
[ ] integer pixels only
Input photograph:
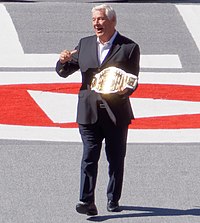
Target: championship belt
[{"x": 113, "y": 79}]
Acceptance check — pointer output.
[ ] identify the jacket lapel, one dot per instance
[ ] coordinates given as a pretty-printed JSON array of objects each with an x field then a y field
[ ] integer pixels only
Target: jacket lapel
[{"x": 93, "y": 52}]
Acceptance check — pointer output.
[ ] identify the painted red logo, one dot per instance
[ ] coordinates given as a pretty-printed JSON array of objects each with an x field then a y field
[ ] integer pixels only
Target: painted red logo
[{"x": 19, "y": 108}]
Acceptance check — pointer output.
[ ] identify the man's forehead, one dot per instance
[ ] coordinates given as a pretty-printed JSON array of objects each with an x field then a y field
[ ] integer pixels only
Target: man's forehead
[{"x": 98, "y": 12}]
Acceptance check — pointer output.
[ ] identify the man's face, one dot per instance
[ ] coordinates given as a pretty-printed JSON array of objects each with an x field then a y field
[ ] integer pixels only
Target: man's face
[{"x": 103, "y": 27}]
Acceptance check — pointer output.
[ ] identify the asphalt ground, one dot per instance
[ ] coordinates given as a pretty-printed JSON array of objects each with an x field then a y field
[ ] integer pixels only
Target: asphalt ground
[
  {"x": 40, "y": 180},
  {"x": 40, "y": 183},
  {"x": 157, "y": 28}
]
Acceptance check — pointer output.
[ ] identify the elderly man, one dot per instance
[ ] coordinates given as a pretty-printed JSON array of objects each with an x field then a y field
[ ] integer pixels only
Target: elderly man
[{"x": 102, "y": 116}]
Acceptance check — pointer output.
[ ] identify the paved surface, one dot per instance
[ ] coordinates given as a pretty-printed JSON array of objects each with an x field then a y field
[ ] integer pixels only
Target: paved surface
[
  {"x": 40, "y": 180},
  {"x": 53, "y": 26}
]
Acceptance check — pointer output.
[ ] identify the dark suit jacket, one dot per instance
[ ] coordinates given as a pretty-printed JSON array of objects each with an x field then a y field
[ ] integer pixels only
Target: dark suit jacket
[{"x": 124, "y": 54}]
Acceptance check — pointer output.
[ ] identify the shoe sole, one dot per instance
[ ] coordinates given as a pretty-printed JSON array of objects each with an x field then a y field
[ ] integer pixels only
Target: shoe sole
[
  {"x": 114, "y": 210},
  {"x": 83, "y": 210}
]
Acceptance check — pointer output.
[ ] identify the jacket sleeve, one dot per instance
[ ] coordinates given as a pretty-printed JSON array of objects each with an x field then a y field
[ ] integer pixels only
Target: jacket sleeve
[
  {"x": 134, "y": 57},
  {"x": 68, "y": 68},
  {"x": 134, "y": 65}
]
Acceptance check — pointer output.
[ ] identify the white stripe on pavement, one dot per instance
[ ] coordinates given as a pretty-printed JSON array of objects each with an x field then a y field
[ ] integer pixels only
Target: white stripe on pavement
[
  {"x": 11, "y": 78},
  {"x": 164, "y": 136},
  {"x": 72, "y": 134},
  {"x": 29, "y": 60},
  {"x": 170, "y": 78},
  {"x": 149, "y": 107},
  {"x": 191, "y": 17},
  {"x": 160, "y": 61},
  {"x": 61, "y": 108},
  {"x": 49, "y": 60},
  {"x": 9, "y": 41}
]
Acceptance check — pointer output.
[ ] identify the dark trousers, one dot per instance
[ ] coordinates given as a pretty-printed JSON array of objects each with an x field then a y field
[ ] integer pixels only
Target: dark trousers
[{"x": 115, "y": 147}]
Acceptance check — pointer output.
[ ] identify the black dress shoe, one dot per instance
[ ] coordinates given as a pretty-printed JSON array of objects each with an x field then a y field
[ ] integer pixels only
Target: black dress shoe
[
  {"x": 88, "y": 208},
  {"x": 113, "y": 206}
]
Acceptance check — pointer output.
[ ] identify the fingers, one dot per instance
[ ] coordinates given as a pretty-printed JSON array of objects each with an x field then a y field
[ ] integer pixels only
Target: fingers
[
  {"x": 73, "y": 52},
  {"x": 66, "y": 55}
]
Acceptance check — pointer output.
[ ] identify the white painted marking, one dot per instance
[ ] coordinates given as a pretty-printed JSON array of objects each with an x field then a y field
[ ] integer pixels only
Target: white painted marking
[
  {"x": 191, "y": 17},
  {"x": 72, "y": 134},
  {"x": 59, "y": 107},
  {"x": 144, "y": 108},
  {"x": 39, "y": 133},
  {"x": 49, "y": 60},
  {"x": 62, "y": 108},
  {"x": 164, "y": 136},
  {"x": 7, "y": 78},
  {"x": 12, "y": 78},
  {"x": 29, "y": 60},
  {"x": 192, "y": 79},
  {"x": 160, "y": 61},
  {"x": 9, "y": 41}
]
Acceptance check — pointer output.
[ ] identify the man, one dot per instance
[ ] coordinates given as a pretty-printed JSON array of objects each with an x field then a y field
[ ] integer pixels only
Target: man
[{"x": 102, "y": 116}]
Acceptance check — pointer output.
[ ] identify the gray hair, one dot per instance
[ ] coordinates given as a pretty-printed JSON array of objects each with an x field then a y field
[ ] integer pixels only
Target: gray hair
[{"x": 109, "y": 11}]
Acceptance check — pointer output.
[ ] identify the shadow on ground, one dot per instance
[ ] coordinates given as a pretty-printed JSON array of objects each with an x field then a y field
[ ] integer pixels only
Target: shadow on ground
[
  {"x": 18, "y": 1},
  {"x": 146, "y": 212},
  {"x": 108, "y": 1},
  {"x": 149, "y": 1}
]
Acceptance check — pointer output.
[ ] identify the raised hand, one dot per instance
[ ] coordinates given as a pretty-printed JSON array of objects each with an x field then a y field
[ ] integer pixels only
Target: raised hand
[{"x": 66, "y": 55}]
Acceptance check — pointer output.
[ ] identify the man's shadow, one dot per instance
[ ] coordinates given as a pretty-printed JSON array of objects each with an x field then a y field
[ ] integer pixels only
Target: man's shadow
[
  {"x": 146, "y": 212},
  {"x": 18, "y": 1}
]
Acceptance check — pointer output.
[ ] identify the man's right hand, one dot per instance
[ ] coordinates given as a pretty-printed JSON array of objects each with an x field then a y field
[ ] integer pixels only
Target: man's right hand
[{"x": 66, "y": 55}]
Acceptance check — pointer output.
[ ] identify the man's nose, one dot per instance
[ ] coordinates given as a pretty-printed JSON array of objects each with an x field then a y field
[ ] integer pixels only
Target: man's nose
[{"x": 95, "y": 21}]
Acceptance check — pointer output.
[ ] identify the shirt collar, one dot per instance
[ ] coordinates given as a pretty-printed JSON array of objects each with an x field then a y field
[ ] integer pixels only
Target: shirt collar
[{"x": 110, "y": 41}]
